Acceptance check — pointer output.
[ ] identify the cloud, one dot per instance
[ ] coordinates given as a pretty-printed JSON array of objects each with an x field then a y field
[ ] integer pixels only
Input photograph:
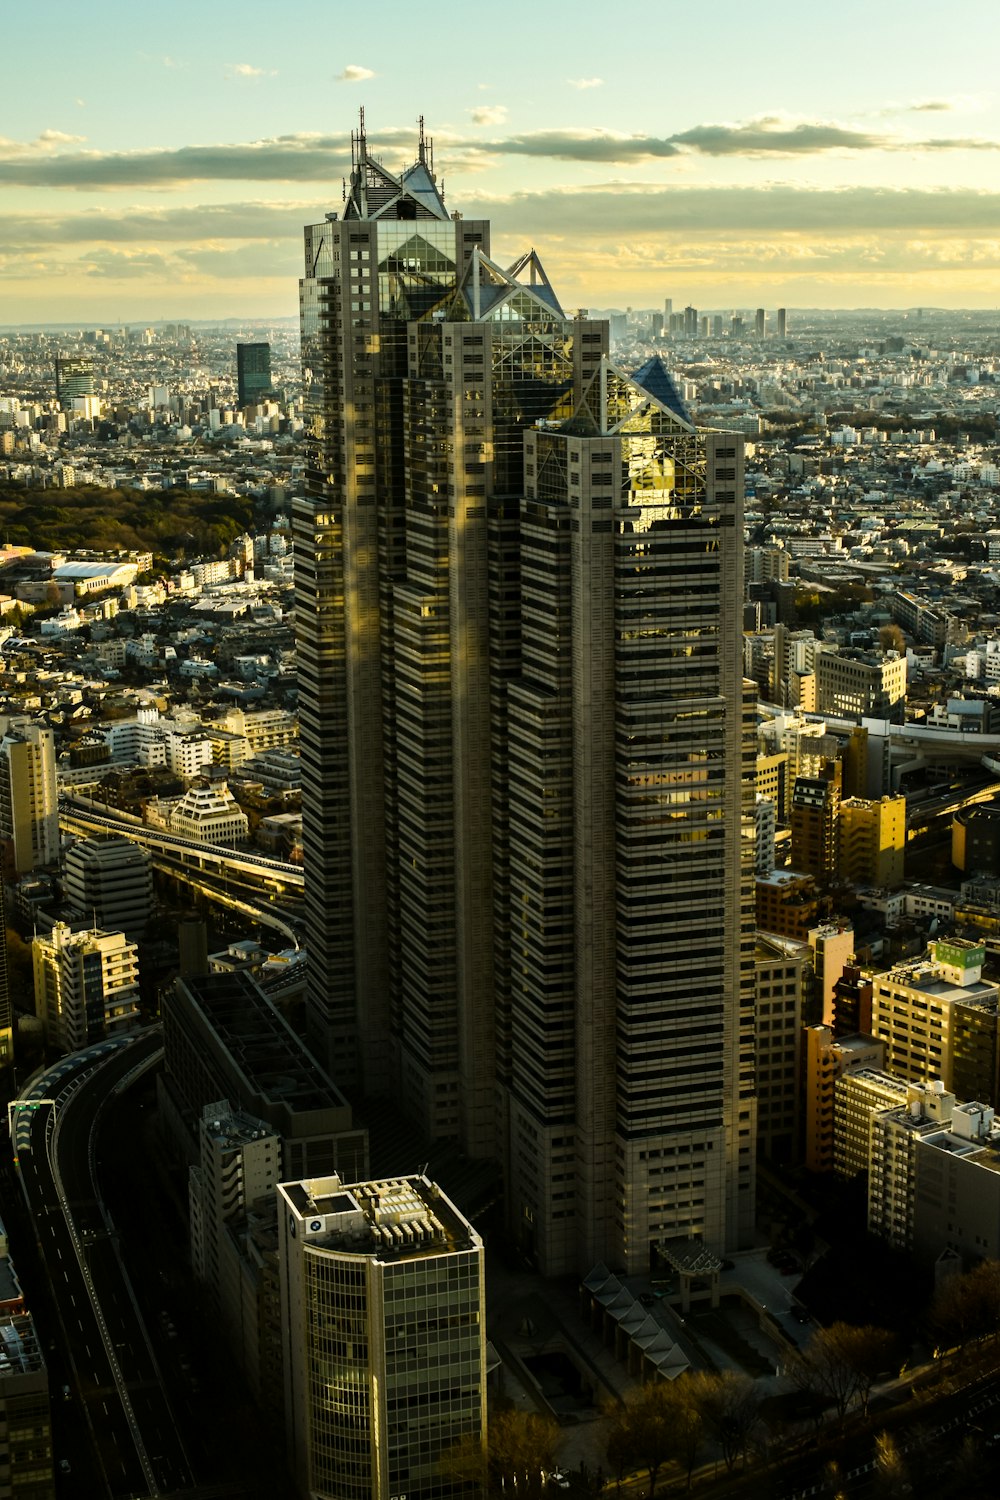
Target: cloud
[
  {"x": 617, "y": 212},
  {"x": 354, "y": 73},
  {"x": 930, "y": 106},
  {"x": 128, "y": 264},
  {"x": 583, "y": 145},
  {"x": 317, "y": 158},
  {"x": 58, "y": 138},
  {"x": 585, "y": 83},
  {"x": 766, "y": 136},
  {"x": 182, "y": 225},
  {"x": 598, "y": 242},
  {"x": 608, "y": 212},
  {"x": 247, "y": 70},
  {"x": 489, "y": 114},
  {"x": 302, "y": 158}
]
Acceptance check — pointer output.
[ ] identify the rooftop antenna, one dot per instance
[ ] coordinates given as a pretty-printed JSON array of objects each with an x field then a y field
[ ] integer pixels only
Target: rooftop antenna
[{"x": 421, "y": 143}]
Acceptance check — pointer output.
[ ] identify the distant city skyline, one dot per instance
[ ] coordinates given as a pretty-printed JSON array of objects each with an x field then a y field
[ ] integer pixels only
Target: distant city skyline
[{"x": 795, "y": 157}]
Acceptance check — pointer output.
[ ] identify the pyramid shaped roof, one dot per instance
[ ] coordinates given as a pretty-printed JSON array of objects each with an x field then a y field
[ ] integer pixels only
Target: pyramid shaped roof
[{"x": 656, "y": 380}]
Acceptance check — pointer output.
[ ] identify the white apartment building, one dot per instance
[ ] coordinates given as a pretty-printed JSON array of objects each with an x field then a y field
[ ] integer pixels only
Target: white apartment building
[
  {"x": 826, "y": 1060},
  {"x": 892, "y": 1158},
  {"x": 239, "y": 1164},
  {"x": 86, "y": 985},
  {"x": 858, "y": 1096},
  {"x": 956, "y": 1198}
]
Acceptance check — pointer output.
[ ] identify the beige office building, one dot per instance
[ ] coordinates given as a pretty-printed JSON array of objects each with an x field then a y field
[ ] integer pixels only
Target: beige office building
[
  {"x": 382, "y": 1298},
  {"x": 29, "y": 805},
  {"x": 937, "y": 1014},
  {"x": 784, "y": 972}
]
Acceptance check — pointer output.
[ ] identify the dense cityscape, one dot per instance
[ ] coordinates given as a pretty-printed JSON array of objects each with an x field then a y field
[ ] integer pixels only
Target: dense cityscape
[{"x": 500, "y": 820}]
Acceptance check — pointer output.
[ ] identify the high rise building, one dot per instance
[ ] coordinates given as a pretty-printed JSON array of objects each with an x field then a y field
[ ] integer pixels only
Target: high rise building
[
  {"x": 74, "y": 377},
  {"x": 29, "y": 804},
  {"x": 782, "y": 322},
  {"x": 382, "y": 1302},
  {"x": 871, "y": 839},
  {"x": 938, "y": 1017},
  {"x": 253, "y": 372},
  {"x": 527, "y": 757},
  {"x": 760, "y": 322},
  {"x": 6, "y": 1004},
  {"x": 110, "y": 880}
]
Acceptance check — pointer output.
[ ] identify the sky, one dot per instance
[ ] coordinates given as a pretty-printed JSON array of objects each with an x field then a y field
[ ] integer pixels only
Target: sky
[{"x": 159, "y": 162}]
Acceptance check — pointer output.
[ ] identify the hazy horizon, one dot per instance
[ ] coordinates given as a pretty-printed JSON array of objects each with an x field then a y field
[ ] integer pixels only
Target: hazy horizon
[{"x": 796, "y": 158}]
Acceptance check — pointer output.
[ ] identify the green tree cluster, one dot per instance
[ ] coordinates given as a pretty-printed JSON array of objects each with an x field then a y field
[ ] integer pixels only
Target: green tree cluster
[{"x": 171, "y": 522}]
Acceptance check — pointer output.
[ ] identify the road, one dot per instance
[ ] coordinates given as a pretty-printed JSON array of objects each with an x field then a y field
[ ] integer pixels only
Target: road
[{"x": 135, "y": 1447}]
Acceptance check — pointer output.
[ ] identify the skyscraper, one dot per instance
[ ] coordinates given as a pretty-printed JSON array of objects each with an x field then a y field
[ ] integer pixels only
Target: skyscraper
[
  {"x": 253, "y": 372},
  {"x": 525, "y": 747},
  {"x": 74, "y": 377}
]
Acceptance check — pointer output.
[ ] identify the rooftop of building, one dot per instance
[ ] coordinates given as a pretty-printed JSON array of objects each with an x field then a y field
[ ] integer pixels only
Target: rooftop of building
[
  {"x": 260, "y": 1042},
  {"x": 779, "y": 879},
  {"x": 874, "y": 1078},
  {"x": 393, "y": 1218},
  {"x": 856, "y": 1045},
  {"x": 233, "y": 1127},
  {"x": 771, "y": 945},
  {"x": 20, "y": 1353},
  {"x": 926, "y": 979}
]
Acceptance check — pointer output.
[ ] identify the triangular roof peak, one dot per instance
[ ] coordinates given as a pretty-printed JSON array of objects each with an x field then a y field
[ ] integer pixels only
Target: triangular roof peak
[
  {"x": 656, "y": 380},
  {"x": 612, "y": 398},
  {"x": 377, "y": 193},
  {"x": 487, "y": 284}
]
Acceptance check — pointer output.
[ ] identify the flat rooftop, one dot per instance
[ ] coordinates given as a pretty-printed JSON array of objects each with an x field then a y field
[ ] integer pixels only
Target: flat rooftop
[
  {"x": 260, "y": 1042},
  {"x": 19, "y": 1349},
  {"x": 392, "y": 1218}
]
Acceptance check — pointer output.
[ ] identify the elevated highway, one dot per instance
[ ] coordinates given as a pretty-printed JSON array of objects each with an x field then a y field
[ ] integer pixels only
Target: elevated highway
[
  {"x": 268, "y": 891},
  {"x": 135, "y": 1444}
]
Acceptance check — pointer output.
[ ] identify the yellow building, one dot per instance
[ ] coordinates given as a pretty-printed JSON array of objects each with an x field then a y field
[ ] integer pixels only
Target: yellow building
[
  {"x": 871, "y": 841},
  {"x": 826, "y": 1060}
]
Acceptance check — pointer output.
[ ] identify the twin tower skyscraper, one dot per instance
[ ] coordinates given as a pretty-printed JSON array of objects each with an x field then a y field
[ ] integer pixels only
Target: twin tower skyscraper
[{"x": 526, "y": 747}]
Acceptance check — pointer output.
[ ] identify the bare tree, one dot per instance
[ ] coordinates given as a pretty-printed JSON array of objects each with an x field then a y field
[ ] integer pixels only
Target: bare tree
[
  {"x": 730, "y": 1408},
  {"x": 841, "y": 1363},
  {"x": 891, "y": 1475},
  {"x": 517, "y": 1457},
  {"x": 966, "y": 1307},
  {"x": 663, "y": 1422}
]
